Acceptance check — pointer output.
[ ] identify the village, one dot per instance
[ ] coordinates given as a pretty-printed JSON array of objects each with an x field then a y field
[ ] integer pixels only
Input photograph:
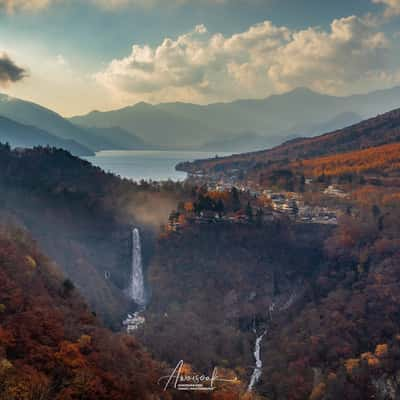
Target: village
[{"x": 262, "y": 205}]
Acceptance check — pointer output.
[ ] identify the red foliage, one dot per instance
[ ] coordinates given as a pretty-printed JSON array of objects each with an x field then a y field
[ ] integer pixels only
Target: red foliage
[{"x": 46, "y": 352}]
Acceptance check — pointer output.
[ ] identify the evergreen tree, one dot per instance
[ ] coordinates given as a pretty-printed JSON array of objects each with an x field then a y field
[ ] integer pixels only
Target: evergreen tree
[
  {"x": 220, "y": 207},
  {"x": 249, "y": 211},
  {"x": 235, "y": 200},
  {"x": 259, "y": 216}
]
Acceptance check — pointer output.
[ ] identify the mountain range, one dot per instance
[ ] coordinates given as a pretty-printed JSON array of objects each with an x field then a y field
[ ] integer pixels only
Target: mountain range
[
  {"x": 239, "y": 126},
  {"x": 260, "y": 123},
  {"x": 35, "y": 117}
]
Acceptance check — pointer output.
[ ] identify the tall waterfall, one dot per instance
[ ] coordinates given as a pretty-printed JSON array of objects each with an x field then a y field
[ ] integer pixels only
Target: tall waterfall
[{"x": 137, "y": 291}]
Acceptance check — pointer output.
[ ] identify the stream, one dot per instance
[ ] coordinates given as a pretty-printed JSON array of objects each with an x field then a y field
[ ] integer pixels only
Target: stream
[
  {"x": 256, "y": 375},
  {"x": 272, "y": 309}
]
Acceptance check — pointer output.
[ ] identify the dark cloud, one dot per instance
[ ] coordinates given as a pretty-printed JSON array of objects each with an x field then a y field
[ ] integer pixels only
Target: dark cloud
[{"x": 9, "y": 71}]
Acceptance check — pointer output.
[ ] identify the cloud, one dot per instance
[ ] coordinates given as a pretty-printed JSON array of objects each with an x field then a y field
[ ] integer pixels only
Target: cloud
[
  {"x": 392, "y": 7},
  {"x": 12, "y": 6},
  {"x": 202, "y": 67},
  {"x": 9, "y": 71},
  {"x": 151, "y": 3},
  {"x": 328, "y": 61}
]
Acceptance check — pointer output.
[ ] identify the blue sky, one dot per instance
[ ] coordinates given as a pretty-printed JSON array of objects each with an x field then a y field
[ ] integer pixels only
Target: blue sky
[
  {"x": 78, "y": 53},
  {"x": 96, "y": 34}
]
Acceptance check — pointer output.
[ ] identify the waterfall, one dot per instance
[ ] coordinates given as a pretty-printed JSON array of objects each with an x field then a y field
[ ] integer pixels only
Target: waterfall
[
  {"x": 257, "y": 372},
  {"x": 274, "y": 308},
  {"x": 137, "y": 291}
]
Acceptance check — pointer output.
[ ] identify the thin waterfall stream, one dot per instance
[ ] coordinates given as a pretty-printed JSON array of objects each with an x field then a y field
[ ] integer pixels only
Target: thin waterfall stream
[
  {"x": 256, "y": 375},
  {"x": 274, "y": 308}
]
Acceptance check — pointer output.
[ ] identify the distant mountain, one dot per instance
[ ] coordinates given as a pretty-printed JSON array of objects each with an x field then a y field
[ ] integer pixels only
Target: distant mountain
[
  {"x": 32, "y": 114},
  {"x": 251, "y": 141},
  {"x": 115, "y": 138},
  {"x": 299, "y": 112},
  {"x": 19, "y": 135},
  {"x": 241, "y": 143},
  {"x": 152, "y": 124},
  {"x": 338, "y": 122},
  {"x": 381, "y": 130}
]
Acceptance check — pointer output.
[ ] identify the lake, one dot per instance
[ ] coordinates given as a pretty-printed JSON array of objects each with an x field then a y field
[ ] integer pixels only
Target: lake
[{"x": 147, "y": 164}]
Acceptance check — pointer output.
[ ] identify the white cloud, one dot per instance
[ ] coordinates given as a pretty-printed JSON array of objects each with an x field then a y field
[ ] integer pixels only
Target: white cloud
[
  {"x": 392, "y": 7},
  {"x": 198, "y": 66}
]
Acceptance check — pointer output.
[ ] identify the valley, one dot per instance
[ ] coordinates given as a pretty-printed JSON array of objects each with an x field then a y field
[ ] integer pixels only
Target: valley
[
  {"x": 234, "y": 268},
  {"x": 199, "y": 200}
]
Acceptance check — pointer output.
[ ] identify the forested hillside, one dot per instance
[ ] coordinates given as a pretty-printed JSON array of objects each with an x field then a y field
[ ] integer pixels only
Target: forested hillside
[
  {"x": 344, "y": 342},
  {"x": 381, "y": 160},
  {"x": 383, "y": 129},
  {"x": 51, "y": 345},
  {"x": 82, "y": 218}
]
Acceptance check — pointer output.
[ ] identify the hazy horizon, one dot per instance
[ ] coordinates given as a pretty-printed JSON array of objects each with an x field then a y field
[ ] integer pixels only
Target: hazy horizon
[{"x": 58, "y": 54}]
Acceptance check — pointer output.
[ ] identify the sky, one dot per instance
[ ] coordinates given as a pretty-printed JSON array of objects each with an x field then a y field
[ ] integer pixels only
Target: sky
[{"x": 74, "y": 56}]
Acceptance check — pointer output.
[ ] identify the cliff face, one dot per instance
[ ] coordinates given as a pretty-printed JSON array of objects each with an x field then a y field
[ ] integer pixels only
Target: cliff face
[{"x": 212, "y": 285}]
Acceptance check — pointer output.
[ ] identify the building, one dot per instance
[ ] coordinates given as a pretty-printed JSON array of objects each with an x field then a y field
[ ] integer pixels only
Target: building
[{"x": 335, "y": 191}]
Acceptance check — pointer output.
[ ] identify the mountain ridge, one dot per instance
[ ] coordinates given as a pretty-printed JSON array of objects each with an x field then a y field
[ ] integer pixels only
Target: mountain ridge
[
  {"x": 42, "y": 118},
  {"x": 20, "y": 135},
  {"x": 279, "y": 116},
  {"x": 380, "y": 130}
]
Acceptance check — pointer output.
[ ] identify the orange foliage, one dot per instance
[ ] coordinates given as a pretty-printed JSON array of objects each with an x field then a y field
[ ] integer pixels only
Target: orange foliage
[
  {"x": 181, "y": 219},
  {"x": 371, "y": 359},
  {"x": 215, "y": 195},
  {"x": 318, "y": 392},
  {"x": 51, "y": 346},
  {"x": 391, "y": 199},
  {"x": 70, "y": 355},
  {"x": 351, "y": 363},
  {"x": 189, "y": 207},
  {"x": 383, "y": 158},
  {"x": 381, "y": 350}
]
